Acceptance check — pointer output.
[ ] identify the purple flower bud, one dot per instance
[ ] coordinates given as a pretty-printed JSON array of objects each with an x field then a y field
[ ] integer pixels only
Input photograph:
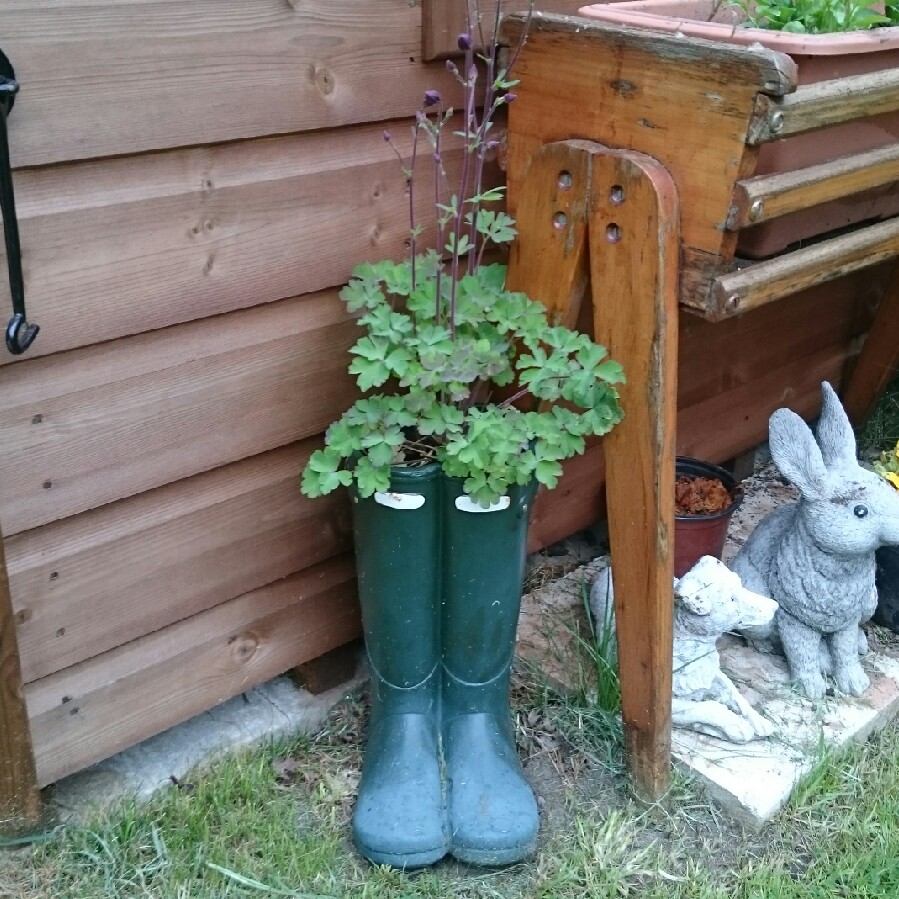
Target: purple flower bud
[
  {"x": 387, "y": 137},
  {"x": 432, "y": 98},
  {"x": 464, "y": 41},
  {"x": 452, "y": 67},
  {"x": 509, "y": 98}
]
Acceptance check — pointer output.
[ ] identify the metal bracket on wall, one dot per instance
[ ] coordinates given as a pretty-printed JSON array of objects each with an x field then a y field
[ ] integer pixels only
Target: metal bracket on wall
[{"x": 19, "y": 333}]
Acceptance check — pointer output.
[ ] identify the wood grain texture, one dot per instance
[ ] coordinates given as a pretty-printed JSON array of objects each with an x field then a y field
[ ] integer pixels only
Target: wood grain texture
[
  {"x": 878, "y": 361},
  {"x": 549, "y": 260},
  {"x": 787, "y": 274},
  {"x": 767, "y": 197},
  {"x": 92, "y": 710},
  {"x": 634, "y": 245},
  {"x": 109, "y": 77},
  {"x": 95, "y": 425},
  {"x": 122, "y": 246},
  {"x": 442, "y": 21},
  {"x": 20, "y": 801},
  {"x": 688, "y": 104},
  {"x": 825, "y": 103},
  {"x": 94, "y": 581}
]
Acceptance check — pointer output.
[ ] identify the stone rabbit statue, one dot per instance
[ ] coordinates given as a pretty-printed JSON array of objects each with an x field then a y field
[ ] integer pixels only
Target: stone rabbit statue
[{"x": 816, "y": 557}]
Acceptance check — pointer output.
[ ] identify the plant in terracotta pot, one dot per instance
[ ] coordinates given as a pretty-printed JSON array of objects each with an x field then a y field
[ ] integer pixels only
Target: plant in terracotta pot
[
  {"x": 443, "y": 455},
  {"x": 706, "y": 496},
  {"x": 828, "y": 40}
]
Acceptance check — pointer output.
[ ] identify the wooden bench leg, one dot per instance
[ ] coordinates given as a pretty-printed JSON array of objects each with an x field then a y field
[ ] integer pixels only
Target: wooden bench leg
[
  {"x": 20, "y": 801},
  {"x": 878, "y": 360},
  {"x": 634, "y": 244},
  {"x": 581, "y": 200}
]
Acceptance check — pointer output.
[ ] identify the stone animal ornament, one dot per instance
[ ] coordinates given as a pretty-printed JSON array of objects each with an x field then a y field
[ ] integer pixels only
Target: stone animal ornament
[
  {"x": 816, "y": 557},
  {"x": 709, "y": 600}
]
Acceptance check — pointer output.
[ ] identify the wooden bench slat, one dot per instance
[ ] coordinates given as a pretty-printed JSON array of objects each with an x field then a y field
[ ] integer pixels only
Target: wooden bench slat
[
  {"x": 831, "y": 102},
  {"x": 767, "y": 197},
  {"x": 782, "y": 276}
]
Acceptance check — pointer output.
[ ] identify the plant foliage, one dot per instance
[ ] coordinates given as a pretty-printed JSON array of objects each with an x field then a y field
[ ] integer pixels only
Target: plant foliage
[
  {"x": 816, "y": 16},
  {"x": 455, "y": 368}
]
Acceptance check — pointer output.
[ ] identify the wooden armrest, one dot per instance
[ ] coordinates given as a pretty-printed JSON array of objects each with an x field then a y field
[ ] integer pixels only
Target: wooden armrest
[
  {"x": 829, "y": 103},
  {"x": 769, "y": 196},
  {"x": 782, "y": 276}
]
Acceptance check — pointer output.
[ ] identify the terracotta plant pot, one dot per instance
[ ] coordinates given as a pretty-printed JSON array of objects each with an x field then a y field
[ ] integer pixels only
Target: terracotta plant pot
[
  {"x": 702, "y": 535},
  {"x": 819, "y": 57}
]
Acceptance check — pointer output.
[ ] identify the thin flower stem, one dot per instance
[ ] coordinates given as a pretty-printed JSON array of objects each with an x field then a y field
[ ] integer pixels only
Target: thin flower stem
[
  {"x": 515, "y": 396},
  {"x": 522, "y": 40},
  {"x": 490, "y": 107},
  {"x": 411, "y": 183},
  {"x": 438, "y": 170}
]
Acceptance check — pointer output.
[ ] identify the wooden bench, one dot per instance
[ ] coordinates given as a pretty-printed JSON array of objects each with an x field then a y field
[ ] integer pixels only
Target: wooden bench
[{"x": 631, "y": 163}]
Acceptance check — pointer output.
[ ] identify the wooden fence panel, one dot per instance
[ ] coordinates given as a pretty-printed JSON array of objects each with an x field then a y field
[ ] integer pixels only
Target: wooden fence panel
[
  {"x": 92, "y": 710},
  {"x": 94, "y": 425},
  {"x": 97, "y": 580},
  {"x": 109, "y": 77},
  {"x": 121, "y": 246}
]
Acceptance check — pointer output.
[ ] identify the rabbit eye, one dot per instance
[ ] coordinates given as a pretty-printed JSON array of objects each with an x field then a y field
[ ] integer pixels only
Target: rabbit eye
[{"x": 860, "y": 511}]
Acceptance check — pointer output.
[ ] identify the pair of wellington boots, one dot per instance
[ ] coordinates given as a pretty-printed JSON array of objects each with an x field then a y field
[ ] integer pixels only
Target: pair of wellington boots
[{"x": 440, "y": 588}]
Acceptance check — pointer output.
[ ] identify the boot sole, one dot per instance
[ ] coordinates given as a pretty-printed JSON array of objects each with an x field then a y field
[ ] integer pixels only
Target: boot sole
[
  {"x": 493, "y": 857},
  {"x": 405, "y": 860}
]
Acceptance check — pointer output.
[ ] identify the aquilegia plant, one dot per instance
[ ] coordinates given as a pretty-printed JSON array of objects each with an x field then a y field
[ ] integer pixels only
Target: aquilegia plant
[{"x": 468, "y": 369}]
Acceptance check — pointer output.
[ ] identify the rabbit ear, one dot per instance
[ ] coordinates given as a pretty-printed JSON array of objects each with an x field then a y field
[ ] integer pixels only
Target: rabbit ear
[
  {"x": 834, "y": 432},
  {"x": 795, "y": 452}
]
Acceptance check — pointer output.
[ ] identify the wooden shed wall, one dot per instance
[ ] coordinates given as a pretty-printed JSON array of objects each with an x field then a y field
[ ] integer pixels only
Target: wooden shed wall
[{"x": 194, "y": 182}]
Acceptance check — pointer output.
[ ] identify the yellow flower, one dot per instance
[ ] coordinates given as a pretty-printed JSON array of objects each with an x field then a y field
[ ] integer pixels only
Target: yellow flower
[{"x": 893, "y": 478}]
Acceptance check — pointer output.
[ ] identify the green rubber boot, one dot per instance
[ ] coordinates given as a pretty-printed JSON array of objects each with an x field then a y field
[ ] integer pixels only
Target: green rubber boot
[
  {"x": 493, "y": 814},
  {"x": 400, "y": 815}
]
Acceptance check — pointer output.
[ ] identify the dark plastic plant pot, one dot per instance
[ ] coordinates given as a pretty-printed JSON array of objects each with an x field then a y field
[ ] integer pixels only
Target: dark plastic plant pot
[
  {"x": 887, "y": 612},
  {"x": 696, "y": 536}
]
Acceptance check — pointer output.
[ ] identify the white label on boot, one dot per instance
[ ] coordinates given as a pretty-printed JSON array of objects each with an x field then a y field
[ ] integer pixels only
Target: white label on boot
[
  {"x": 400, "y": 500},
  {"x": 467, "y": 504}
]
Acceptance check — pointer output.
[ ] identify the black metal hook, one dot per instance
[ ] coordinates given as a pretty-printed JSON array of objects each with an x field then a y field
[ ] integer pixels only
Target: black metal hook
[{"x": 19, "y": 333}]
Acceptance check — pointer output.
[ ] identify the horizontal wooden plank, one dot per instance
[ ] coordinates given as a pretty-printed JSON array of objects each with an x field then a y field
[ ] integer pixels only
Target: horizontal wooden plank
[
  {"x": 90, "y": 711},
  {"x": 110, "y": 77},
  {"x": 770, "y": 196},
  {"x": 785, "y": 275},
  {"x": 814, "y": 106},
  {"x": 94, "y": 581},
  {"x": 763, "y": 69},
  {"x": 122, "y": 246},
  {"x": 718, "y": 356},
  {"x": 95, "y": 425}
]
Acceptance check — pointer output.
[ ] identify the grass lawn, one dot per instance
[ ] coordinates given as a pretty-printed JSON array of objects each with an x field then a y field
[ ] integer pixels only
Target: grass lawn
[{"x": 275, "y": 822}]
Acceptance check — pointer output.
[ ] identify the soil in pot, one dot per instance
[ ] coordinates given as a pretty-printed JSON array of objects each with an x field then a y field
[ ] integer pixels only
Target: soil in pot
[{"x": 706, "y": 496}]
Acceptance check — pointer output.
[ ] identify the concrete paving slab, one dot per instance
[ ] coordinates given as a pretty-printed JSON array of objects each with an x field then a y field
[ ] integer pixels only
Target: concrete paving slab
[
  {"x": 275, "y": 710},
  {"x": 753, "y": 781}
]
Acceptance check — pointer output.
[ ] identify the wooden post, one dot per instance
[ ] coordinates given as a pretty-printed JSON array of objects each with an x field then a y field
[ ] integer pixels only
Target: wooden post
[
  {"x": 634, "y": 246},
  {"x": 20, "y": 801},
  {"x": 578, "y": 196}
]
